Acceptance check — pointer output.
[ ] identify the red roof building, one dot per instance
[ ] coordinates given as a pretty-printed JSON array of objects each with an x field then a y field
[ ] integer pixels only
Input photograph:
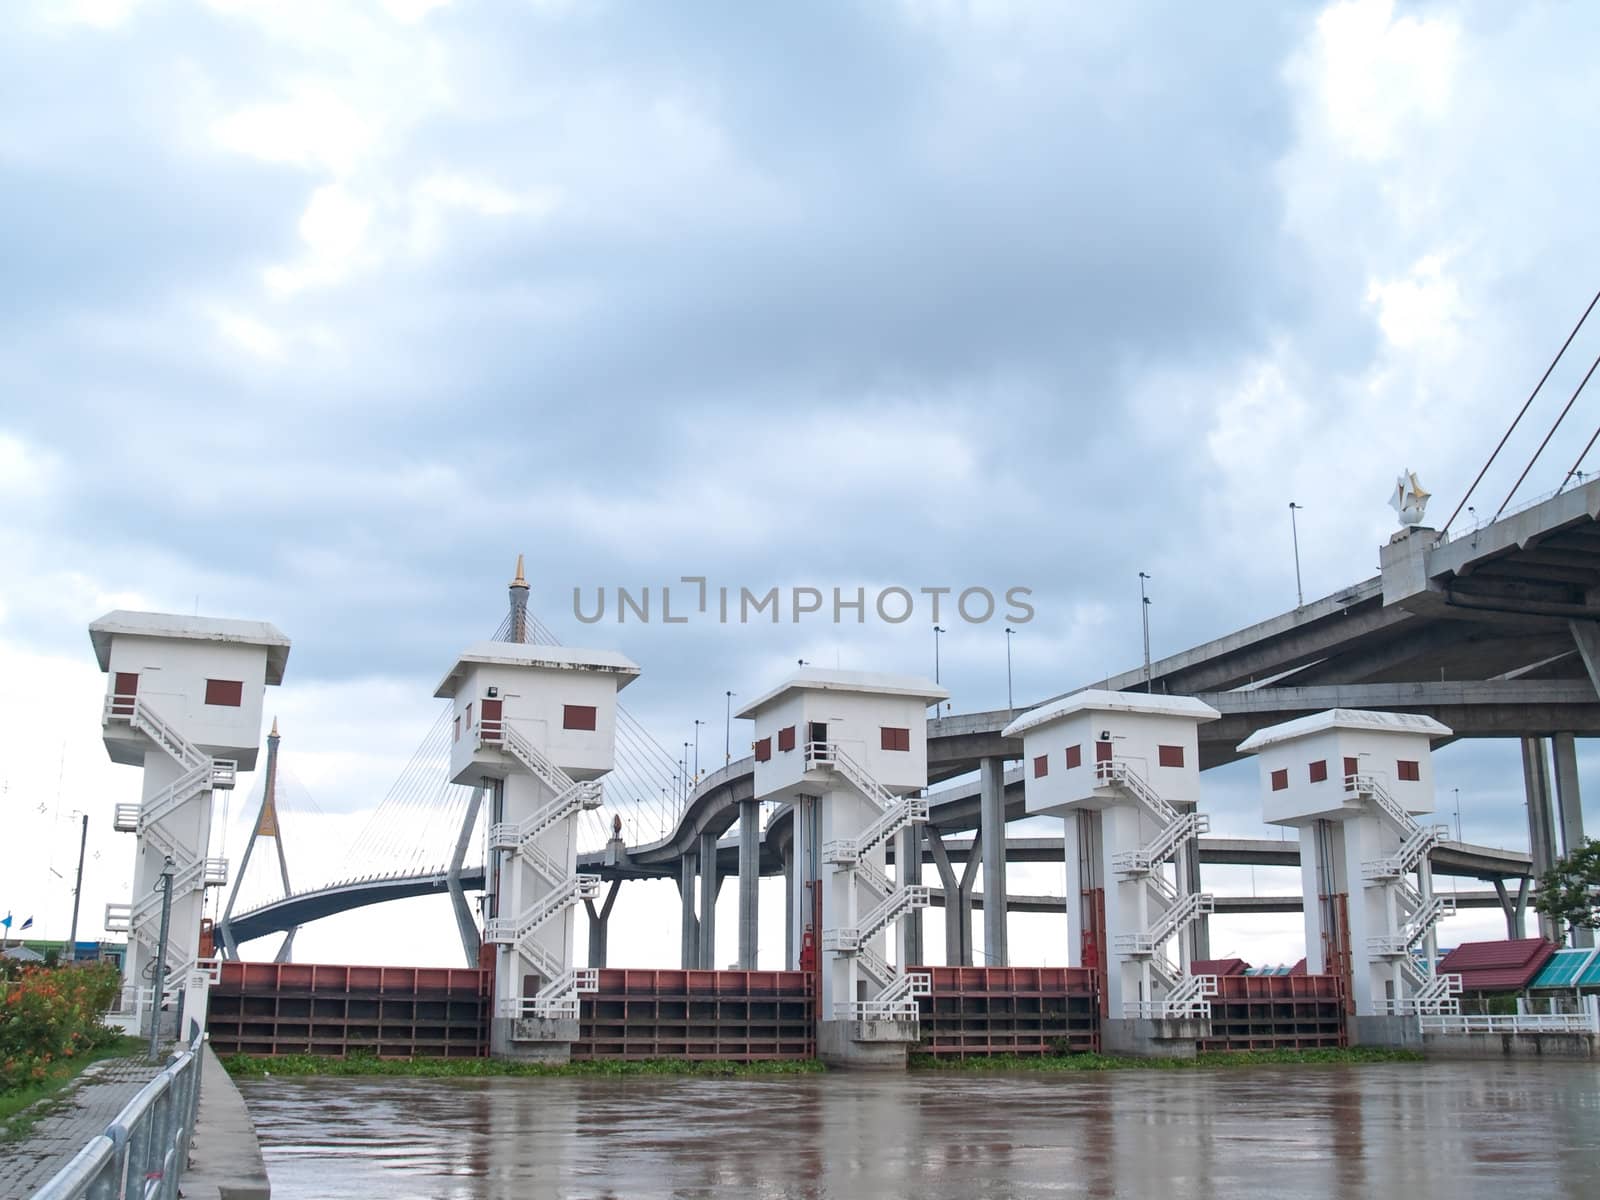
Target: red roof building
[
  {"x": 1497, "y": 966},
  {"x": 1218, "y": 966}
]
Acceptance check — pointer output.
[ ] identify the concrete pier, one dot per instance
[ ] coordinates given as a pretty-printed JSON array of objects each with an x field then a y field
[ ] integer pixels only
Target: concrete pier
[
  {"x": 749, "y": 882},
  {"x": 992, "y": 781},
  {"x": 710, "y": 881},
  {"x": 600, "y": 924},
  {"x": 1541, "y": 819},
  {"x": 690, "y": 953}
]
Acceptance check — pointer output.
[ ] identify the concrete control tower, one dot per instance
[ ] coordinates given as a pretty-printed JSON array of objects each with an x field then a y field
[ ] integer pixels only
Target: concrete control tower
[
  {"x": 534, "y": 727},
  {"x": 183, "y": 701},
  {"x": 1352, "y": 783},
  {"x": 850, "y": 750},
  {"x": 1122, "y": 771}
]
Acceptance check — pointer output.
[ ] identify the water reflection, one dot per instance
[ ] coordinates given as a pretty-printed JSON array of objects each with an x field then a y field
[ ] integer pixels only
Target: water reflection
[{"x": 1406, "y": 1131}]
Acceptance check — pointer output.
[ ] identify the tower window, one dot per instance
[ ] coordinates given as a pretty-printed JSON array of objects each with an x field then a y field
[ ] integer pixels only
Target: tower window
[
  {"x": 1074, "y": 757},
  {"x": 1318, "y": 770},
  {"x": 763, "y": 750},
  {"x": 786, "y": 738},
  {"x": 892, "y": 738},
  {"x": 1280, "y": 779},
  {"x": 1408, "y": 770},
  {"x": 577, "y": 716},
  {"x": 1169, "y": 756},
  {"x": 227, "y": 693},
  {"x": 1041, "y": 766}
]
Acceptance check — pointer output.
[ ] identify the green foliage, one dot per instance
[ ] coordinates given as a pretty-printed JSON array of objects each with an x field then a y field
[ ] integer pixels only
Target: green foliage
[
  {"x": 1569, "y": 892},
  {"x": 1107, "y": 1062},
  {"x": 20, "y": 1108},
  {"x": 49, "y": 1017},
  {"x": 245, "y": 1066}
]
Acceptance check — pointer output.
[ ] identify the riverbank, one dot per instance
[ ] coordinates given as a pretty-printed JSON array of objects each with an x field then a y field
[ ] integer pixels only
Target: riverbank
[{"x": 242, "y": 1066}]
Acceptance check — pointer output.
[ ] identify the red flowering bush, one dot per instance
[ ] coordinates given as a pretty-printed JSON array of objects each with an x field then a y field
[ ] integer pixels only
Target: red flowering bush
[{"x": 51, "y": 1014}]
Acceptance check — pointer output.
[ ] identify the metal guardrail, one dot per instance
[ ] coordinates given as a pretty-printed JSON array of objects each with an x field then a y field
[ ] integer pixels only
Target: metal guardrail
[{"x": 144, "y": 1151}]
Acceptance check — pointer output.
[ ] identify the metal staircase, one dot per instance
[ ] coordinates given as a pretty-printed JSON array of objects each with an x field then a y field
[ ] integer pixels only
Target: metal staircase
[
  {"x": 1185, "y": 997},
  {"x": 150, "y": 820},
  {"x": 1418, "y": 914},
  {"x": 559, "y": 995},
  {"x": 899, "y": 989}
]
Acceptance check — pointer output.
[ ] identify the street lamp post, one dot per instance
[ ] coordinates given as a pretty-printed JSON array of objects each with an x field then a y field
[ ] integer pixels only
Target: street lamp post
[
  {"x": 727, "y": 728},
  {"x": 1458, "y": 814},
  {"x": 1144, "y": 612},
  {"x": 1294, "y": 531},
  {"x": 697, "y": 723},
  {"x": 937, "y": 630},
  {"x": 1010, "y": 705}
]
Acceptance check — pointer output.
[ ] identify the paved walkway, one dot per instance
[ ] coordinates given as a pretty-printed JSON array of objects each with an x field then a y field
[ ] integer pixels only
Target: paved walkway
[{"x": 79, "y": 1112}]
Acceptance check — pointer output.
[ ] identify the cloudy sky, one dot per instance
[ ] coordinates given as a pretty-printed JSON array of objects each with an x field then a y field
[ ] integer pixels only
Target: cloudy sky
[{"x": 321, "y": 312}]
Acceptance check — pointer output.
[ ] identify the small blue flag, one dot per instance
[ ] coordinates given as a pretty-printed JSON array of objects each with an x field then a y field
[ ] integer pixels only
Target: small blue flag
[
  {"x": 28, "y": 924},
  {"x": 7, "y": 921}
]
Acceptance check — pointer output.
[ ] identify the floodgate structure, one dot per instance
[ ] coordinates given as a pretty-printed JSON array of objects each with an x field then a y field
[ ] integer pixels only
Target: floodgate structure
[{"x": 851, "y": 789}]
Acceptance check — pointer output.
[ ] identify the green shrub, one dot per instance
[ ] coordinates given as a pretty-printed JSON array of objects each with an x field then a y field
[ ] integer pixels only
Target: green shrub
[{"x": 52, "y": 1015}]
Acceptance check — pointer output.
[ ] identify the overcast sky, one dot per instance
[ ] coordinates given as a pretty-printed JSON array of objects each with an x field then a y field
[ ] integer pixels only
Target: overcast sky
[{"x": 320, "y": 313}]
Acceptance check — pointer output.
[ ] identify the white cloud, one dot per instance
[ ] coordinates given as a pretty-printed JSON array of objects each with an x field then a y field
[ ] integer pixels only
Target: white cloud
[
  {"x": 1376, "y": 76},
  {"x": 26, "y": 471},
  {"x": 1423, "y": 305},
  {"x": 334, "y": 228},
  {"x": 315, "y": 129},
  {"x": 248, "y": 333}
]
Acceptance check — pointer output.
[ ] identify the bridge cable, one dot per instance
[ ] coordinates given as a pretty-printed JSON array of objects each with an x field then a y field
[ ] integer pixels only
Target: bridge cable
[
  {"x": 1520, "y": 414},
  {"x": 1562, "y": 417}
]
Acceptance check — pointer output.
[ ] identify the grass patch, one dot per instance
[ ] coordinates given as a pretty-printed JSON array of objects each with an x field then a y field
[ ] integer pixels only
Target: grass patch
[
  {"x": 243, "y": 1066},
  {"x": 1106, "y": 1062},
  {"x": 21, "y": 1108}
]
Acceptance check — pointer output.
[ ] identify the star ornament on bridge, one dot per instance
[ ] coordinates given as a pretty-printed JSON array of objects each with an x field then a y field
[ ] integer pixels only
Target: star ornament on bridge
[{"x": 1409, "y": 499}]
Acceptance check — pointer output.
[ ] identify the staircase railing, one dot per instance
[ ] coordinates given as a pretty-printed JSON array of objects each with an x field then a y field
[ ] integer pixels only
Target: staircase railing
[
  {"x": 1188, "y": 998},
  {"x": 897, "y": 1002},
  {"x": 1188, "y": 907},
  {"x": 575, "y": 797},
  {"x": 895, "y": 905},
  {"x": 1118, "y": 772},
  {"x": 519, "y": 930}
]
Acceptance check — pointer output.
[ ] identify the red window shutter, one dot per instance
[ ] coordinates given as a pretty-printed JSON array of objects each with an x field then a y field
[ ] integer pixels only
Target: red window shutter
[
  {"x": 469, "y": 715},
  {"x": 764, "y": 750},
  {"x": 1169, "y": 756},
  {"x": 1408, "y": 770},
  {"x": 786, "y": 738},
  {"x": 893, "y": 738},
  {"x": 1102, "y": 752},
  {"x": 577, "y": 716},
  {"x": 1319, "y": 770},
  {"x": 127, "y": 683},
  {"x": 458, "y": 730},
  {"x": 1352, "y": 766},
  {"x": 227, "y": 693},
  {"x": 1074, "y": 757},
  {"x": 1041, "y": 766},
  {"x": 1280, "y": 780}
]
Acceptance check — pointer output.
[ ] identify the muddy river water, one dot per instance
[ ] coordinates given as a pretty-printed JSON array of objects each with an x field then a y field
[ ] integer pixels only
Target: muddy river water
[{"x": 1398, "y": 1131}]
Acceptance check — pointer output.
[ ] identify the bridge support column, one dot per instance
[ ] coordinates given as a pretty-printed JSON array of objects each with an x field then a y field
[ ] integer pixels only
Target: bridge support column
[
  {"x": 908, "y": 871},
  {"x": 1570, "y": 802},
  {"x": 1515, "y": 912},
  {"x": 691, "y": 926},
  {"x": 749, "y": 881},
  {"x": 471, "y": 944},
  {"x": 600, "y": 923},
  {"x": 957, "y": 898},
  {"x": 709, "y": 881},
  {"x": 992, "y": 815},
  {"x": 1541, "y": 823}
]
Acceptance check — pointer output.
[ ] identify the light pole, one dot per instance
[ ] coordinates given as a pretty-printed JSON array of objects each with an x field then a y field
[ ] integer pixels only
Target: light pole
[
  {"x": 697, "y": 723},
  {"x": 1144, "y": 612},
  {"x": 159, "y": 991},
  {"x": 937, "y": 630},
  {"x": 77, "y": 893},
  {"x": 1458, "y": 813},
  {"x": 1294, "y": 530},
  {"x": 1010, "y": 706},
  {"x": 727, "y": 728}
]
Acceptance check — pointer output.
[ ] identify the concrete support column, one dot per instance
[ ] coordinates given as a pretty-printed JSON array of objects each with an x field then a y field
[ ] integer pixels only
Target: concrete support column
[
  {"x": 1514, "y": 911},
  {"x": 969, "y": 881},
  {"x": 992, "y": 814},
  {"x": 1541, "y": 822},
  {"x": 749, "y": 881},
  {"x": 908, "y": 871},
  {"x": 953, "y": 939},
  {"x": 788, "y": 909},
  {"x": 600, "y": 923},
  {"x": 1570, "y": 802},
  {"x": 707, "y": 955},
  {"x": 1200, "y": 927},
  {"x": 691, "y": 927}
]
